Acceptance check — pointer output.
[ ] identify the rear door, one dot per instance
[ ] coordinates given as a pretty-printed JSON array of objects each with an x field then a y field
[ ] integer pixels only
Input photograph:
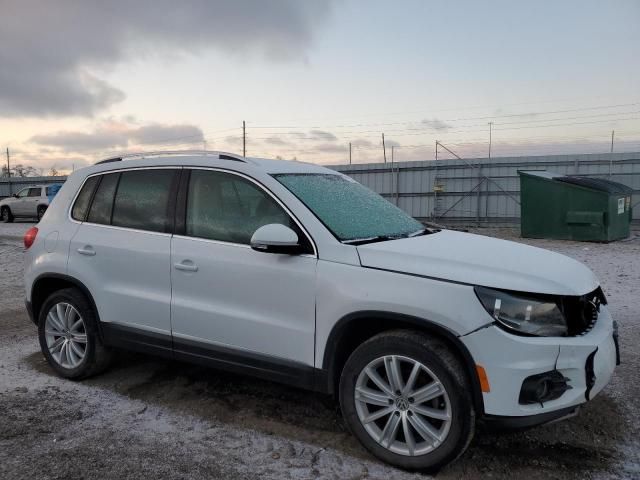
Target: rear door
[
  {"x": 32, "y": 201},
  {"x": 121, "y": 252}
]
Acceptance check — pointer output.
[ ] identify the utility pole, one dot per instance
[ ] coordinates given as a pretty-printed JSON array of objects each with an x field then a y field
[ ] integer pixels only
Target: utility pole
[
  {"x": 394, "y": 190},
  {"x": 611, "y": 158},
  {"x": 384, "y": 149},
  {"x": 244, "y": 139},
  {"x": 612, "y": 134},
  {"x": 349, "y": 153},
  {"x": 490, "y": 125},
  {"x": 9, "y": 172}
]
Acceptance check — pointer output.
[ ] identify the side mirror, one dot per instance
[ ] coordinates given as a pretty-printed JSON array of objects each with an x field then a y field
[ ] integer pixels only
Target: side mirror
[
  {"x": 15, "y": 195},
  {"x": 275, "y": 238}
]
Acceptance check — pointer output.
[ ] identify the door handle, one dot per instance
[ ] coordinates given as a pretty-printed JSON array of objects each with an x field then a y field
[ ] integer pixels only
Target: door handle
[
  {"x": 186, "y": 266},
  {"x": 87, "y": 250}
]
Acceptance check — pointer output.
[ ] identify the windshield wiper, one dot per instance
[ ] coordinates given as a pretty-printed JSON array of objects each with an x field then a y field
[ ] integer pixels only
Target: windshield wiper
[
  {"x": 377, "y": 238},
  {"x": 385, "y": 238}
]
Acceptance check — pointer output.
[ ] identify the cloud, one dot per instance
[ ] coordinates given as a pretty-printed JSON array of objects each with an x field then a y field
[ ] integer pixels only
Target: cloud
[
  {"x": 51, "y": 53},
  {"x": 111, "y": 135},
  {"x": 391, "y": 143},
  {"x": 157, "y": 134},
  {"x": 435, "y": 124},
  {"x": 81, "y": 141},
  {"x": 361, "y": 142},
  {"x": 276, "y": 141},
  {"x": 322, "y": 135},
  {"x": 233, "y": 140},
  {"x": 331, "y": 148},
  {"x": 298, "y": 135}
]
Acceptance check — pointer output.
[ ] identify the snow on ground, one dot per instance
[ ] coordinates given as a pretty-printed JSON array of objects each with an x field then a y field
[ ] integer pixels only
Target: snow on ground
[{"x": 154, "y": 418}]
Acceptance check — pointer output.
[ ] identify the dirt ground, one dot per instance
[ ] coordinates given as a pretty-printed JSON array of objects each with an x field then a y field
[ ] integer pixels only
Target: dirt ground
[{"x": 150, "y": 418}]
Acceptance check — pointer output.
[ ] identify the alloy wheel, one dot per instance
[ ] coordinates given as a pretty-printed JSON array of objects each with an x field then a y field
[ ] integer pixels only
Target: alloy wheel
[
  {"x": 402, "y": 405},
  {"x": 66, "y": 335}
]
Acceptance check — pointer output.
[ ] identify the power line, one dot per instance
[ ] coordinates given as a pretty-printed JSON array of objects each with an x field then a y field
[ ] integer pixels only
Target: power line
[
  {"x": 452, "y": 119},
  {"x": 460, "y": 128},
  {"x": 431, "y": 110}
]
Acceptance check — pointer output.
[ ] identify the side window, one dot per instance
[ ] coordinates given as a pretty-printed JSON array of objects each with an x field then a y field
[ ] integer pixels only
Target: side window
[
  {"x": 23, "y": 193},
  {"x": 226, "y": 207},
  {"x": 142, "y": 199},
  {"x": 79, "y": 211},
  {"x": 102, "y": 204},
  {"x": 35, "y": 192}
]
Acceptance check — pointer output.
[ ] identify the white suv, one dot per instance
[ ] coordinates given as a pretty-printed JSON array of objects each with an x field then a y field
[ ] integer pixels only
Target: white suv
[
  {"x": 296, "y": 273},
  {"x": 30, "y": 202}
]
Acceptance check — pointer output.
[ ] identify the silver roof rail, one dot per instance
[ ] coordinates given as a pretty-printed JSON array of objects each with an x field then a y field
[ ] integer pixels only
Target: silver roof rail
[{"x": 168, "y": 153}]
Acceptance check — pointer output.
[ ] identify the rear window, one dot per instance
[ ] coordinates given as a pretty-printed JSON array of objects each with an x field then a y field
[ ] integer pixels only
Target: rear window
[
  {"x": 102, "y": 204},
  {"x": 81, "y": 206},
  {"x": 142, "y": 200}
]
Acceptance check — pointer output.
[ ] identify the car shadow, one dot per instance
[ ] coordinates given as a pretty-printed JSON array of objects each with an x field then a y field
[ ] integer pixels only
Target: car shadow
[{"x": 573, "y": 448}]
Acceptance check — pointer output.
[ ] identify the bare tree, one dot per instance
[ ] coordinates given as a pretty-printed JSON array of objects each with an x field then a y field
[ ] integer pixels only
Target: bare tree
[
  {"x": 53, "y": 172},
  {"x": 19, "y": 170}
]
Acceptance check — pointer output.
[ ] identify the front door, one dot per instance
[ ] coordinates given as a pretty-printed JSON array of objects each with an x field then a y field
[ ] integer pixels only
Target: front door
[
  {"x": 228, "y": 301},
  {"x": 19, "y": 205}
]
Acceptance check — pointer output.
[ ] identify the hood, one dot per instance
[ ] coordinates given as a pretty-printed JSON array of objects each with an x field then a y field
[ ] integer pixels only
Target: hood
[{"x": 479, "y": 260}]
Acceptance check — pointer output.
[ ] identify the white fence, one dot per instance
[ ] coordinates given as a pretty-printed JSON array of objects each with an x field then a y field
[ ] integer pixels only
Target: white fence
[
  {"x": 9, "y": 186},
  {"x": 470, "y": 190},
  {"x": 481, "y": 189}
]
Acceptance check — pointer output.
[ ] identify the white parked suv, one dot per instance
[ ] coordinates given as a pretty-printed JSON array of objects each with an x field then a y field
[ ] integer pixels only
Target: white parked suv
[
  {"x": 297, "y": 273},
  {"x": 30, "y": 202}
]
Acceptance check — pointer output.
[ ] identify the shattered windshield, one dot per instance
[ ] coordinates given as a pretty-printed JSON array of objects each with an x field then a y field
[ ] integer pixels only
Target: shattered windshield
[{"x": 351, "y": 211}]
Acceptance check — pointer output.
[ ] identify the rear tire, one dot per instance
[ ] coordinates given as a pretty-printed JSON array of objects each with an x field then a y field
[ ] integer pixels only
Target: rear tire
[
  {"x": 41, "y": 210},
  {"x": 68, "y": 334},
  {"x": 5, "y": 215},
  {"x": 405, "y": 396}
]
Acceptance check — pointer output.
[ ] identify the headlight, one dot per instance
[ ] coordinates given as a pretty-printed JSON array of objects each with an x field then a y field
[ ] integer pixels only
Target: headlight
[{"x": 524, "y": 314}]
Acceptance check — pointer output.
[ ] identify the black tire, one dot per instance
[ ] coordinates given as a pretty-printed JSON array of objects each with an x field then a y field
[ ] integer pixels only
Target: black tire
[
  {"x": 437, "y": 357},
  {"x": 41, "y": 210},
  {"x": 5, "y": 215},
  {"x": 97, "y": 357}
]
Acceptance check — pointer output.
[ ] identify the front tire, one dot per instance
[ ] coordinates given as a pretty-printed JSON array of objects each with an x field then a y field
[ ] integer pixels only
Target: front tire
[
  {"x": 68, "y": 334},
  {"x": 405, "y": 396},
  {"x": 5, "y": 215}
]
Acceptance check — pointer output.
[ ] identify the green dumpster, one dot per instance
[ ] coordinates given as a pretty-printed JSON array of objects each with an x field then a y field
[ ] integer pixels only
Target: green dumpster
[{"x": 572, "y": 207}]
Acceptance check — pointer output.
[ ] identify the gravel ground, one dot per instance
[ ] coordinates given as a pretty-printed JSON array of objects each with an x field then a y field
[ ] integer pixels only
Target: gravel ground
[{"x": 153, "y": 418}]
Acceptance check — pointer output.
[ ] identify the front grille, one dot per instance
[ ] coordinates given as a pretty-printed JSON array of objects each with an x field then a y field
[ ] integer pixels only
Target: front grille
[{"x": 582, "y": 312}]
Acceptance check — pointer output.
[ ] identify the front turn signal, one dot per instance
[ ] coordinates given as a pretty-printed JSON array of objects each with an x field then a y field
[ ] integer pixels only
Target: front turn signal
[{"x": 484, "y": 380}]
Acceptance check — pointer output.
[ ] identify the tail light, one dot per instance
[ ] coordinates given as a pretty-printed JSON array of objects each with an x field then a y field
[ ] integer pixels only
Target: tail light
[{"x": 30, "y": 237}]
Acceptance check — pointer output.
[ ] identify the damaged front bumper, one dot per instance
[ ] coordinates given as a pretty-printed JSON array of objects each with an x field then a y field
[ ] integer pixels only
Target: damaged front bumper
[{"x": 577, "y": 368}]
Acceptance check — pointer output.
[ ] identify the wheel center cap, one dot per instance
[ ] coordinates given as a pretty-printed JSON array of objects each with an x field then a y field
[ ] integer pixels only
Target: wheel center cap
[{"x": 402, "y": 403}]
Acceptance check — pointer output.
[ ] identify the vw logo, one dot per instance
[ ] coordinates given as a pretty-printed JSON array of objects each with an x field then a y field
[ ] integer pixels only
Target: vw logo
[{"x": 402, "y": 403}]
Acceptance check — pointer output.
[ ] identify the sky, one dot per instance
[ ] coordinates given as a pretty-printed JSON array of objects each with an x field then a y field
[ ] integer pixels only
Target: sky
[{"x": 81, "y": 81}]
